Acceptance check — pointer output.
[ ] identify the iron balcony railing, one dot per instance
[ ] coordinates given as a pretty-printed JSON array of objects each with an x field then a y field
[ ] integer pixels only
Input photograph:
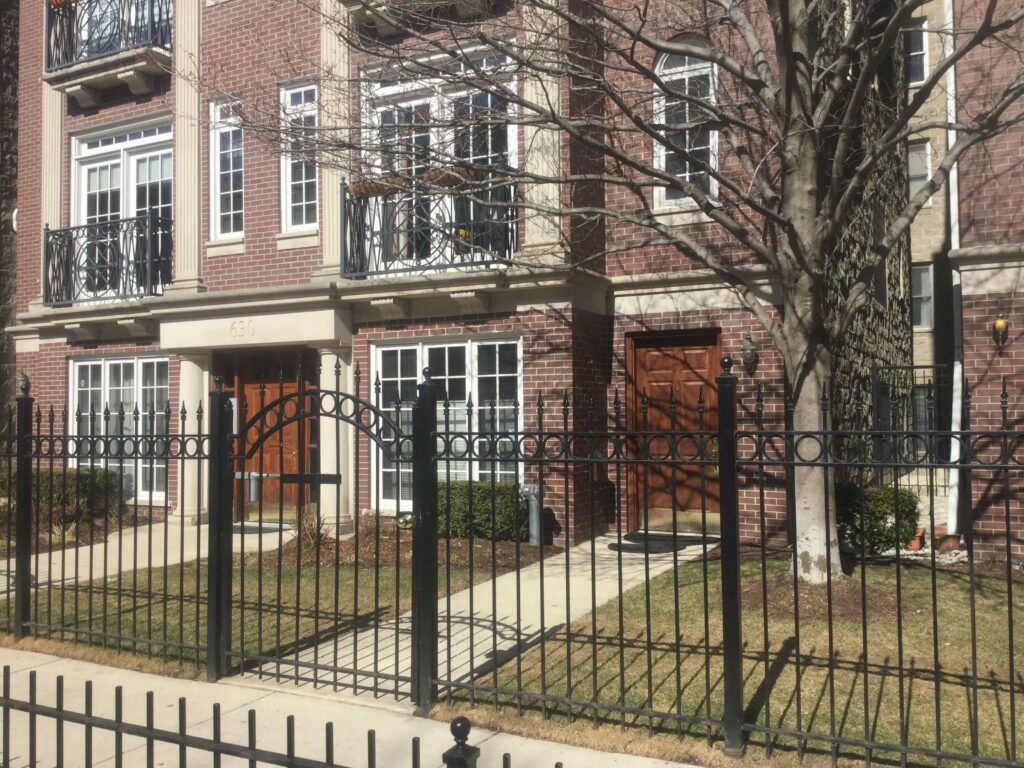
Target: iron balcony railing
[
  {"x": 117, "y": 259},
  {"x": 387, "y": 229},
  {"x": 84, "y": 30}
]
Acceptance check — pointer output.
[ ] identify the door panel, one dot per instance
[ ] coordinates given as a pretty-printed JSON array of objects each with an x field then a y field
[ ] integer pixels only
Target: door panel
[
  {"x": 683, "y": 367},
  {"x": 279, "y": 456}
]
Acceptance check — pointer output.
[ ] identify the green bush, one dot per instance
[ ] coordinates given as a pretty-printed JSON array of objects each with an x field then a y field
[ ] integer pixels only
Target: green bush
[
  {"x": 75, "y": 494},
  {"x": 453, "y": 502},
  {"x": 876, "y": 532}
]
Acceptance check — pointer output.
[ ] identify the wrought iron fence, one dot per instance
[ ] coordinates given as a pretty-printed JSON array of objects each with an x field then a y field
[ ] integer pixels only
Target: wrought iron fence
[
  {"x": 53, "y": 730},
  {"x": 83, "y": 30},
  {"x": 117, "y": 259},
  {"x": 8, "y": 457},
  {"x": 106, "y": 554},
  {"x": 394, "y": 229},
  {"x": 584, "y": 560}
]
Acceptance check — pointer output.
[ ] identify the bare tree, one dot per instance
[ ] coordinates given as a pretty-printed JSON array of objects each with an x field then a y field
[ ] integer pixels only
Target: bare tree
[{"x": 781, "y": 123}]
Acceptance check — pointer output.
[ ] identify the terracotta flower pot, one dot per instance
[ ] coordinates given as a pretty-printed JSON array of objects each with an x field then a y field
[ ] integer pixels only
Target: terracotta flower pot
[
  {"x": 949, "y": 543},
  {"x": 916, "y": 542},
  {"x": 943, "y": 541}
]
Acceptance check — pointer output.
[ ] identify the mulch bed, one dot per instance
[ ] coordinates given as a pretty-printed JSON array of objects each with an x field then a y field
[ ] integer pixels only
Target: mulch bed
[
  {"x": 846, "y": 599},
  {"x": 381, "y": 549},
  {"x": 82, "y": 533}
]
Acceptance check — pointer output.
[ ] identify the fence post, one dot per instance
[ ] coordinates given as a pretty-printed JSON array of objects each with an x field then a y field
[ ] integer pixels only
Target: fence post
[
  {"x": 732, "y": 628},
  {"x": 23, "y": 513},
  {"x": 220, "y": 503},
  {"x": 462, "y": 755},
  {"x": 424, "y": 545}
]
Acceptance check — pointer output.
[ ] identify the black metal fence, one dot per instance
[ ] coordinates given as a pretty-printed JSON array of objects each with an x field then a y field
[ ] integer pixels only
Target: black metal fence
[
  {"x": 117, "y": 259},
  {"x": 101, "y": 503},
  {"x": 582, "y": 560},
  {"x": 69, "y": 736},
  {"x": 83, "y": 30}
]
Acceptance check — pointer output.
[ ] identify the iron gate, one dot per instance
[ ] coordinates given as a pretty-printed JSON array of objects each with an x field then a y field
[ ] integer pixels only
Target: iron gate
[{"x": 317, "y": 586}]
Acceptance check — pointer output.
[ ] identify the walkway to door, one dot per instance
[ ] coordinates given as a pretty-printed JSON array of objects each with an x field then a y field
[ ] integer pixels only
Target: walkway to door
[{"x": 491, "y": 622}]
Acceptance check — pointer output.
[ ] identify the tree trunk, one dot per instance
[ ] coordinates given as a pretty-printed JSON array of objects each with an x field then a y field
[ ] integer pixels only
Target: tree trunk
[{"x": 816, "y": 539}]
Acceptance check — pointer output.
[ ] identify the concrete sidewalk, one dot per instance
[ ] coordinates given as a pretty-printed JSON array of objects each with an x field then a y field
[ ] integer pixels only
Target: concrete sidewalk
[
  {"x": 164, "y": 544},
  {"x": 491, "y": 622},
  {"x": 395, "y": 727}
]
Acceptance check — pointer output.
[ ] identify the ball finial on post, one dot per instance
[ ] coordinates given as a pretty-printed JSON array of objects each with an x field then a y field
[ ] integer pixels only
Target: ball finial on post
[{"x": 461, "y": 755}]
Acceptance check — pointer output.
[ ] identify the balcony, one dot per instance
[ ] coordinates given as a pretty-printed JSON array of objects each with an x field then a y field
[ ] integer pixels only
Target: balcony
[
  {"x": 95, "y": 45},
  {"x": 385, "y": 17},
  {"x": 388, "y": 230},
  {"x": 110, "y": 260}
]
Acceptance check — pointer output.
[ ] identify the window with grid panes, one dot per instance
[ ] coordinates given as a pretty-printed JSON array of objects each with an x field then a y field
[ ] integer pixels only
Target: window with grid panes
[
  {"x": 299, "y": 167},
  {"x": 104, "y": 398},
  {"x": 690, "y": 141},
  {"x": 227, "y": 200},
  {"x": 485, "y": 373}
]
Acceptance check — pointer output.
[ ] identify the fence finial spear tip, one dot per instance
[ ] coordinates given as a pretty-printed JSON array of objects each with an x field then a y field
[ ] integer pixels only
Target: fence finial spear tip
[{"x": 727, "y": 365}]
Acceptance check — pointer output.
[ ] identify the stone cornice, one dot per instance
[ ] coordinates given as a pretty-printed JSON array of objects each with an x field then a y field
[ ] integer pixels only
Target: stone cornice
[
  {"x": 993, "y": 255},
  {"x": 507, "y": 283}
]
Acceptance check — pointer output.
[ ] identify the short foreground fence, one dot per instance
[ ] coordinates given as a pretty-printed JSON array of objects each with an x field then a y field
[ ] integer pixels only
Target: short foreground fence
[
  {"x": 658, "y": 587},
  {"x": 56, "y": 734}
]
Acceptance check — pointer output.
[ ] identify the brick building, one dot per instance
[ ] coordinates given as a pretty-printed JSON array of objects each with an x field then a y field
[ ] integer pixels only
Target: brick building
[
  {"x": 164, "y": 243},
  {"x": 8, "y": 181},
  {"x": 988, "y": 279}
]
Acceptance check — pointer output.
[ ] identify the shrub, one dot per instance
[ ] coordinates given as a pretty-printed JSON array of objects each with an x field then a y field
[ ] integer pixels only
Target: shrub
[
  {"x": 80, "y": 493},
  {"x": 877, "y": 532},
  {"x": 453, "y": 502}
]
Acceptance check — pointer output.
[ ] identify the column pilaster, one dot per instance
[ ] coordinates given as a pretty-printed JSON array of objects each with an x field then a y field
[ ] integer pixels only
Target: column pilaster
[
  {"x": 193, "y": 388},
  {"x": 337, "y": 507},
  {"x": 188, "y": 124}
]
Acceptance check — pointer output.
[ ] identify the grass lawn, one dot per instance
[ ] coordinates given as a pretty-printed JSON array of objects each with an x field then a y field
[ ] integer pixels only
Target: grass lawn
[
  {"x": 161, "y": 612},
  {"x": 920, "y": 692}
]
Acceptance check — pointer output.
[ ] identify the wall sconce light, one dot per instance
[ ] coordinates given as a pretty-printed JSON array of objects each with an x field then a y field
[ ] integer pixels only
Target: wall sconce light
[
  {"x": 1000, "y": 332},
  {"x": 749, "y": 355}
]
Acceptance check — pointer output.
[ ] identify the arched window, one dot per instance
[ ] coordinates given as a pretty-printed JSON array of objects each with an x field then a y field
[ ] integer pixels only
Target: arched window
[{"x": 691, "y": 143}]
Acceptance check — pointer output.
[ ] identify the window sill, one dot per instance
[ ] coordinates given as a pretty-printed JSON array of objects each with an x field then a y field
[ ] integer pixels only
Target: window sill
[
  {"x": 226, "y": 247},
  {"x": 287, "y": 241},
  {"x": 680, "y": 215}
]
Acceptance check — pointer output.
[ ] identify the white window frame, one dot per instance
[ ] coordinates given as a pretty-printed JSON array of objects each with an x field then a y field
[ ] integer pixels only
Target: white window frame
[
  {"x": 124, "y": 152},
  {"x": 919, "y": 23},
  {"x": 927, "y": 145},
  {"x": 153, "y": 496},
  {"x": 472, "y": 344},
  {"x": 220, "y": 124},
  {"x": 380, "y": 94},
  {"x": 669, "y": 76},
  {"x": 440, "y": 95},
  {"x": 288, "y": 112},
  {"x": 930, "y": 269}
]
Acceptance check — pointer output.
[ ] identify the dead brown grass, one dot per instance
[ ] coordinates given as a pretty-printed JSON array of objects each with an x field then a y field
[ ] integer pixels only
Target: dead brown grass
[
  {"x": 107, "y": 657},
  {"x": 629, "y": 741}
]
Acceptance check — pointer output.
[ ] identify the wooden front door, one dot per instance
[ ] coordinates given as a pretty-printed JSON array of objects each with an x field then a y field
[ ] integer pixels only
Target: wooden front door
[
  {"x": 279, "y": 455},
  {"x": 269, "y": 483},
  {"x": 684, "y": 366}
]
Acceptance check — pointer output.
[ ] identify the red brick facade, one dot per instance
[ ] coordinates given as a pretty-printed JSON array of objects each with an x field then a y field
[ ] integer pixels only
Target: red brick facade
[
  {"x": 575, "y": 337},
  {"x": 991, "y": 264}
]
